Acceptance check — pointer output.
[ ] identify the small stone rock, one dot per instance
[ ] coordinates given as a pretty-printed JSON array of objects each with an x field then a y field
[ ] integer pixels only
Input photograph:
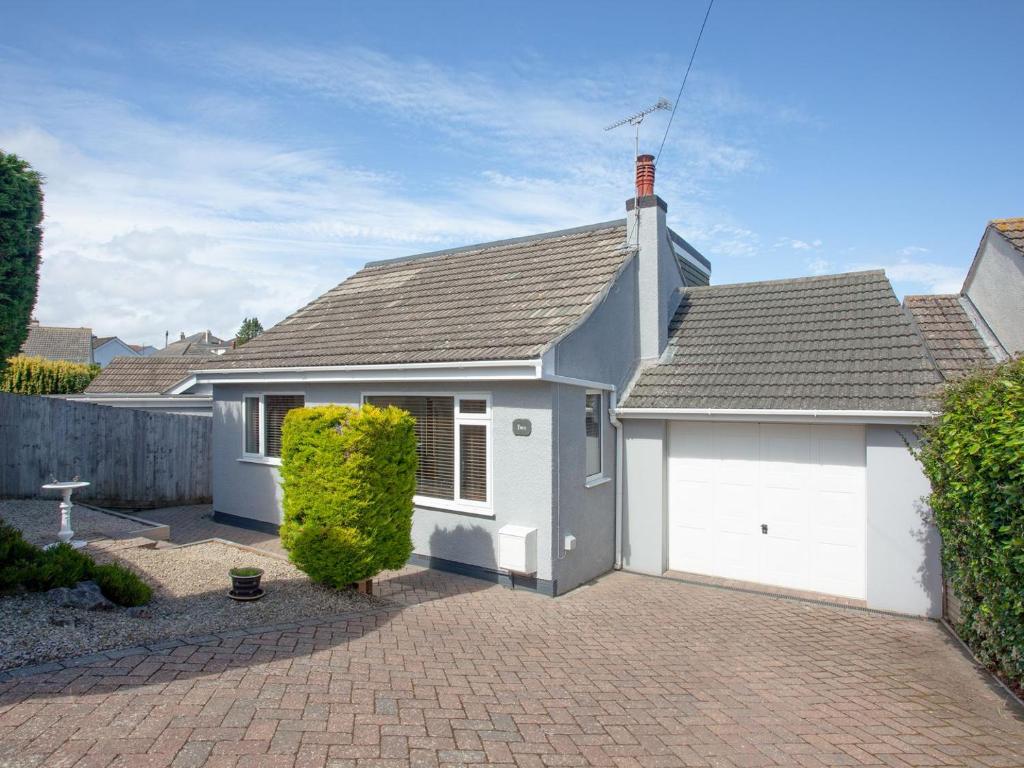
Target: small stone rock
[
  {"x": 63, "y": 621},
  {"x": 86, "y": 595},
  {"x": 139, "y": 612}
]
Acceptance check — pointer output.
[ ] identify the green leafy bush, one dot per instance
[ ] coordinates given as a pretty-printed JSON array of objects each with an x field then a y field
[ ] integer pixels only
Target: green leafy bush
[
  {"x": 121, "y": 585},
  {"x": 349, "y": 475},
  {"x": 974, "y": 456},
  {"x": 26, "y": 566},
  {"x": 39, "y": 376},
  {"x": 59, "y": 566},
  {"x": 21, "y": 237}
]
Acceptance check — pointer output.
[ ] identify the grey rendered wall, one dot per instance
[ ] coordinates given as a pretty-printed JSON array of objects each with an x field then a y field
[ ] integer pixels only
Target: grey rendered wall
[
  {"x": 996, "y": 288},
  {"x": 904, "y": 572},
  {"x": 522, "y": 485},
  {"x": 586, "y": 513},
  {"x": 644, "y": 498},
  {"x": 606, "y": 346}
]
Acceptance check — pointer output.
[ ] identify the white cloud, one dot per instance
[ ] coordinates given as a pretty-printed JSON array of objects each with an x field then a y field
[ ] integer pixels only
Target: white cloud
[
  {"x": 820, "y": 266},
  {"x": 798, "y": 245}
]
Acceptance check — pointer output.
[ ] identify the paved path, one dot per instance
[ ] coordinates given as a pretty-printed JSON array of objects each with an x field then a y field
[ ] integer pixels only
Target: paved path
[{"x": 631, "y": 671}]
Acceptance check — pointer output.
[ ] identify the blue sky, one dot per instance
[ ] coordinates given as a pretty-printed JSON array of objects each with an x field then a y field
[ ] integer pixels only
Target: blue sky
[{"x": 209, "y": 161}]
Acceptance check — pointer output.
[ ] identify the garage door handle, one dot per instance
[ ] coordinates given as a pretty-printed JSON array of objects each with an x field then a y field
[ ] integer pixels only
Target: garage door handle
[{"x": 764, "y": 527}]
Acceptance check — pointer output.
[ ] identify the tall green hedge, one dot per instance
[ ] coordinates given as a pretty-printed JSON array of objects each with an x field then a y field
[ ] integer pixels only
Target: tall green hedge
[
  {"x": 974, "y": 456},
  {"x": 39, "y": 376},
  {"x": 348, "y": 476},
  {"x": 21, "y": 238}
]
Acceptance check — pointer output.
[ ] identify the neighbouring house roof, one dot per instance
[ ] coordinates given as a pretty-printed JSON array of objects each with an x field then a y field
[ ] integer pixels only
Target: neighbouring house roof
[
  {"x": 837, "y": 342},
  {"x": 56, "y": 343},
  {"x": 506, "y": 300},
  {"x": 99, "y": 341},
  {"x": 1012, "y": 230},
  {"x": 950, "y": 336},
  {"x": 199, "y": 344},
  {"x": 143, "y": 375}
]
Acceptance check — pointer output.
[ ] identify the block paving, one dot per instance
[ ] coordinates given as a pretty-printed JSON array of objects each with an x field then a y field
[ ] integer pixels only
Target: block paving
[{"x": 631, "y": 671}]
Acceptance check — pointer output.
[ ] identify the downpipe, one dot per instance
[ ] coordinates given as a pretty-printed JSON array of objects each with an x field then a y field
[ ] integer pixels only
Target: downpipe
[{"x": 613, "y": 419}]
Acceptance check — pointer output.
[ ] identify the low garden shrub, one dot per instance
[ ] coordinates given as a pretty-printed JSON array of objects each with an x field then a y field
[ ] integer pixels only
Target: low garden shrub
[
  {"x": 349, "y": 475},
  {"x": 121, "y": 585},
  {"x": 974, "y": 456},
  {"x": 26, "y": 566},
  {"x": 39, "y": 376}
]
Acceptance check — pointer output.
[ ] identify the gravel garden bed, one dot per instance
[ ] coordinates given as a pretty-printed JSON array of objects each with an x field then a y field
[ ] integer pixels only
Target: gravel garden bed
[
  {"x": 39, "y": 521},
  {"x": 190, "y": 585}
]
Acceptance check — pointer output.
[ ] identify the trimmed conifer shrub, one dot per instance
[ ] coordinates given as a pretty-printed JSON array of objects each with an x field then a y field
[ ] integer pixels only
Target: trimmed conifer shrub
[
  {"x": 349, "y": 475},
  {"x": 974, "y": 456},
  {"x": 39, "y": 376}
]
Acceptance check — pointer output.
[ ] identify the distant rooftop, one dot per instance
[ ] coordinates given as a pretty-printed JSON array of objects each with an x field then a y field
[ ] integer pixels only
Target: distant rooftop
[{"x": 58, "y": 343}]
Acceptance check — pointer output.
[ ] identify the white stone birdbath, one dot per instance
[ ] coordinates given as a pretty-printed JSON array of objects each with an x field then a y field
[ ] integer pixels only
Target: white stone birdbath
[{"x": 66, "y": 535}]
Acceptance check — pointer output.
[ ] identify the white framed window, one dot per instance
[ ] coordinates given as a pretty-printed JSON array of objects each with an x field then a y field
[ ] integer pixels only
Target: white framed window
[
  {"x": 453, "y": 446},
  {"x": 593, "y": 422},
  {"x": 262, "y": 417}
]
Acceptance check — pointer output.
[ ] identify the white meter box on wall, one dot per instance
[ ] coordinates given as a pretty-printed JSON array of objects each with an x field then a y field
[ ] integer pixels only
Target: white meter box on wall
[{"x": 517, "y": 549}]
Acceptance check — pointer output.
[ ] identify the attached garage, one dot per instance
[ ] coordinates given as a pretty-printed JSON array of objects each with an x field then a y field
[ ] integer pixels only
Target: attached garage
[
  {"x": 769, "y": 443},
  {"x": 777, "y": 504}
]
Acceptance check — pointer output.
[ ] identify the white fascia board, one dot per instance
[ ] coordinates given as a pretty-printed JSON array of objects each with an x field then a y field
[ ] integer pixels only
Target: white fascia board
[
  {"x": 474, "y": 370},
  {"x": 159, "y": 401},
  {"x": 685, "y": 256},
  {"x": 790, "y": 415}
]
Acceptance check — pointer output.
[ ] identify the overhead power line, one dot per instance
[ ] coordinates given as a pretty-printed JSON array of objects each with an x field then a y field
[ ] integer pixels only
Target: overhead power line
[{"x": 682, "y": 85}]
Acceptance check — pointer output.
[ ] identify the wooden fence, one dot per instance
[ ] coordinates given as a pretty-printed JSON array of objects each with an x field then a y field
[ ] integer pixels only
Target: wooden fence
[{"x": 132, "y": 458}]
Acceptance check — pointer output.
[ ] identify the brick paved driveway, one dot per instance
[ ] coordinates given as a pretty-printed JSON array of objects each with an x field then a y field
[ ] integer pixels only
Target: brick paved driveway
[{"x": 630, "y": 671}]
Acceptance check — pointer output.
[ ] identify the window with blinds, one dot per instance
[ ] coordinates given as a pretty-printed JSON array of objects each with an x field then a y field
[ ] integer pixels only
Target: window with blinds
[
  {"x": 252, "y": 425},
  {"x": 274, "y": 409},
  {"x": 592, "y": 428},
  {"x": 451, "y": 444},
  {"x": 263, "y": 416}
]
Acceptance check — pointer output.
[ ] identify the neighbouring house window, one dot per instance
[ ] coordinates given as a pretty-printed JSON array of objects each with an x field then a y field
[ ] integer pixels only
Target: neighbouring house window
[
  {"x": 452, "y": 445},
  {"x": 592, "y": 421},
  {"x": 264, "y": 415}
]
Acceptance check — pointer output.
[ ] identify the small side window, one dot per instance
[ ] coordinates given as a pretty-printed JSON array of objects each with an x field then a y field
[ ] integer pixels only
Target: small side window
[
  {"x": 252, "y": 425},
  {"x": 592, "y": 427}
]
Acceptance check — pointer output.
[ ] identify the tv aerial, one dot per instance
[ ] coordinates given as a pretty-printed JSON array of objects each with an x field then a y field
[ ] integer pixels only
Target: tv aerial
[{"x": 639, "y": 117}]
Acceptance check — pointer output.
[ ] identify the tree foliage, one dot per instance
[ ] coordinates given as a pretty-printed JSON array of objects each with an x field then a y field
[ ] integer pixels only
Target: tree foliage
[
  {"x": 251, "y": 328},
  {"x": 39, "y": 376},
  {"x": 21, "y": 236},
  {"x": 974, "y": 456},
  {"x": 348, "y": 475}
]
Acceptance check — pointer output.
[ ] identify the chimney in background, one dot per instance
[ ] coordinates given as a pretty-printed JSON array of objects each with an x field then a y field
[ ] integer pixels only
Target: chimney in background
[
  {"x": 644, "y": 175},
  {"x": 657, "y": 272}
]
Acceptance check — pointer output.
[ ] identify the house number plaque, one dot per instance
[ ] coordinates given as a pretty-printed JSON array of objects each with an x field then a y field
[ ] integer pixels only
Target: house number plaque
[{"x": 521, "y": 427}]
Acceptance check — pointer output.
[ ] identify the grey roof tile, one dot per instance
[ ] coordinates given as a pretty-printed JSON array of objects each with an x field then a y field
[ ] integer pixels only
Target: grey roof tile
[
  {"x": 837, "y": 342},
  {"x": 145, "y": 375},
  {"x": 950, "y": 336},
  {"x": 1012, "y": 230},
  {"x": 498, "y": 301},
  {"x": 56, "y": 343}
]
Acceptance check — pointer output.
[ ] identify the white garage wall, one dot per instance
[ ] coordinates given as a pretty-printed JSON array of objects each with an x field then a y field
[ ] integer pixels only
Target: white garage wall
[{"x": 904, "y": 572}]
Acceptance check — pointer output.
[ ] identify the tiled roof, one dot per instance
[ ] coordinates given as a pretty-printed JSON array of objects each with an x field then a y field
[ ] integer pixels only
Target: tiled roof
[
  {"x": 99, "y": 341},
  {"x": 838, "y": 342},
  {"x": 1012, "y": 230},
  {"x": 143, "y": 375},
  {"x": 202, "y": 344},
  {"x": 498, "y": 301},
  {"x": 952, "y": 339},
  {"x": 53, "y": 343}
]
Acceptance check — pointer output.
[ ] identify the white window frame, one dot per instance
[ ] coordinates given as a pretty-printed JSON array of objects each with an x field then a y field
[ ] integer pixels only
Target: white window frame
[
  {"x": 261, "y": 457},
  {"x": 599, "y": 476},
  {"x": 465, "y": 506}
]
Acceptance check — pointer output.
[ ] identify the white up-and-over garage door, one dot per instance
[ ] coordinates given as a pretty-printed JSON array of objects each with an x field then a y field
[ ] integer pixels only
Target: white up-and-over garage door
[{"x": 779, "y": 504}]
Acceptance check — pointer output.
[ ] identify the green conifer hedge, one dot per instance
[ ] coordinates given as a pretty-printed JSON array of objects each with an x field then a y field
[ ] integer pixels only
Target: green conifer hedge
[
  {"x": 39, "y": 376},
  {"x": 349, "y": 475}
]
